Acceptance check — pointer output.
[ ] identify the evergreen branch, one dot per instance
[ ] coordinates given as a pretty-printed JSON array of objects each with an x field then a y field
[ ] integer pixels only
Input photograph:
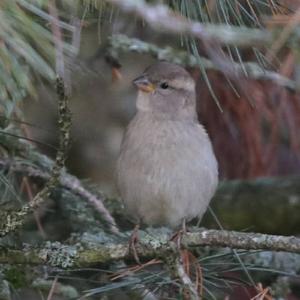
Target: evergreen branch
[
  {"x": 121, "y": 43},
  {"x": 26, "y": 49},
  {"x": 10, "y": 221},
  {"x": 37, "y": 11},
  {"x": 160, "y": 17},
  {"x": 71, "y": 183}
]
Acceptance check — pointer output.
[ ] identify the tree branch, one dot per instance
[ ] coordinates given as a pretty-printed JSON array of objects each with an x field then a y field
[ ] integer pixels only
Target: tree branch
[
  {"x": 71, "y": 183},
  {"x": 155, "y": 244},
  {"x": 242, "y": 240},
  {"x": 10, "y": 221},
  {"x": 160, "y": 17},
  {"x": 122, "y": 43}
]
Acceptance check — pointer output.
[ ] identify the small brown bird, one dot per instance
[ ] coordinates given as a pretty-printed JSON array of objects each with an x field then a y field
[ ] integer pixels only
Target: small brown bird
[{"x": 167, "y": 171}]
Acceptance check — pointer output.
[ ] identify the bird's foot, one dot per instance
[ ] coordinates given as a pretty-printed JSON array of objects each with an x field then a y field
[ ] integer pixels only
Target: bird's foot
[
  {"x": 177, "y": 236},
  {"x": 134, "y": 239}
]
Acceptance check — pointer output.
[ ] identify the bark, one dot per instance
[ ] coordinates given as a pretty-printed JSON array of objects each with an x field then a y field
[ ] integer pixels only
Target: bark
[{"x": 153, "y": 244}]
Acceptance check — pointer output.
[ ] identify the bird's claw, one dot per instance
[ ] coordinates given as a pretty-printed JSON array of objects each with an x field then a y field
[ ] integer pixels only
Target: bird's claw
[{"x": 134, "y": 239}]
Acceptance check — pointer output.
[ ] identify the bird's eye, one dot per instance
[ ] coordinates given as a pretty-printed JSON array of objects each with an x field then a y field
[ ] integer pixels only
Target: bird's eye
[{"x": 164, "y": 85}]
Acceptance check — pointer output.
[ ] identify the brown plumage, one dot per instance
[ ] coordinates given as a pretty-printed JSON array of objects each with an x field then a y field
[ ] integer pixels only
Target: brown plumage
[{"x": 166, "y": 171}]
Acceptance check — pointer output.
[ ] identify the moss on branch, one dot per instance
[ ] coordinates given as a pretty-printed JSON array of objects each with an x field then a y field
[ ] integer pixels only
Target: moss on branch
[{"x": 83, "y": 253}]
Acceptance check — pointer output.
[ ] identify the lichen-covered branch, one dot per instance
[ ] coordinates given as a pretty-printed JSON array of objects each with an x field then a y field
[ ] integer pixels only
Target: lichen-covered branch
[
  {"x": 74, "y": 184},
  {"x": 160, "y": 17},
  {"x": 151, "y": 245},
  {"x": 71, "y": 183},
  {"x": 242, "y": 240},
  {"x": 121, "y": 43},
  {"x": 10, "y": 221}
]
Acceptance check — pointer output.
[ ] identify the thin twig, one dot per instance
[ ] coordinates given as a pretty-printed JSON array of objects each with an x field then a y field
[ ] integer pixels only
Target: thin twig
[
  {"x": 25, "y": 186},
  {"x": 58, "y": 43},
  {"x": 53, "y": 287},
  {"x": 10, "y": 221},
  {"x": 186, "y": 281},
  {"x": 72, "y": 183}
]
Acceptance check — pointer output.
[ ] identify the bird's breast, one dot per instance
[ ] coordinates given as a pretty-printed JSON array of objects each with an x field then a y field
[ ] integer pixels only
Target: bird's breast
[{"x": 167, "y": 170}]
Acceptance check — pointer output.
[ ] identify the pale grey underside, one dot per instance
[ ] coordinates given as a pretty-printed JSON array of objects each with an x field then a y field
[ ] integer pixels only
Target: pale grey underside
[{"x": 166, "y": 170}]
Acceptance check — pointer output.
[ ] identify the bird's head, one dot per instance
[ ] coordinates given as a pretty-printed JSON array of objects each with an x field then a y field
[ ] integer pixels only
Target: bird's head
[{"x": 166, "y": 89}]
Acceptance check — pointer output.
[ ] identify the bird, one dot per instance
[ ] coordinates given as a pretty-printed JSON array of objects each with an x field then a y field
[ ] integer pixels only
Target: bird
[{"x": 167, "y": 171}]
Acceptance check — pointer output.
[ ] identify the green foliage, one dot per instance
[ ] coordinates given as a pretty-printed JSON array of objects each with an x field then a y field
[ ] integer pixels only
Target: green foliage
[
  {"x": 16, "y": 277},
  {"x": 27, "y": 50}
]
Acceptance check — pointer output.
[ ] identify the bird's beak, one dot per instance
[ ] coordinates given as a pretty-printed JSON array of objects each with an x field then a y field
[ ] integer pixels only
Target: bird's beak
[{"x": 143, "y": 84}]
